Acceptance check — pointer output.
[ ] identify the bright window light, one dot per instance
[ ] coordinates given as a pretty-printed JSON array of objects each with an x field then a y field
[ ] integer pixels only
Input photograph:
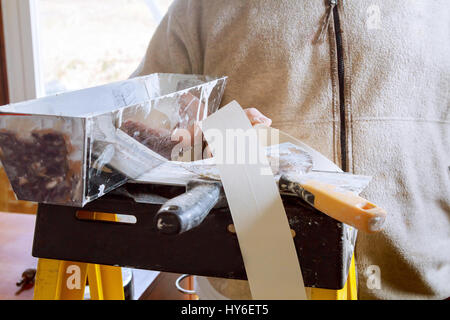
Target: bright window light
[{"x": 85, "y": 43}]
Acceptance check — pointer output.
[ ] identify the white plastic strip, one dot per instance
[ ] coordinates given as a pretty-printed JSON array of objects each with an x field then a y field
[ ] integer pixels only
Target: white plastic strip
[{"x": 262, "y": 228}]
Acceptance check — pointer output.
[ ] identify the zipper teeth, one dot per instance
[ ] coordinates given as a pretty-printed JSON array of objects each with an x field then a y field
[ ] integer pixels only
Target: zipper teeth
[{"x": 341, "y": 74}]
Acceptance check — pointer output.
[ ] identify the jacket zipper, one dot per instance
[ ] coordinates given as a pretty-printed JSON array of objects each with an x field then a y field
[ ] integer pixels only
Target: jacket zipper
[{"x": 341, "y": 82}]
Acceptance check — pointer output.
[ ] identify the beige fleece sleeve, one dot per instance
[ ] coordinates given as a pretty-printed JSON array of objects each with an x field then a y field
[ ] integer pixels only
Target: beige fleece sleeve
[{"x": 169, "y": 50}]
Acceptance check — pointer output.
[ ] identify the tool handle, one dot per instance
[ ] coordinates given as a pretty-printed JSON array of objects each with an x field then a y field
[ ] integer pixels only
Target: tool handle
[
  {"x": 187, "y": 210},
  {"x": 346, "y": 207}
]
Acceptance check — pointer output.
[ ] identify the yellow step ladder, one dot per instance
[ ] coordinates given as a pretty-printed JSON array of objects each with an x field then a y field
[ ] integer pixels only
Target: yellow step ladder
[{"x": 65, "y": 280}]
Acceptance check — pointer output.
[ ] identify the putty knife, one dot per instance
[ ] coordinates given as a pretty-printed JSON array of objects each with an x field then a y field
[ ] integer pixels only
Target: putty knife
[{"x": 294, "y": 176}]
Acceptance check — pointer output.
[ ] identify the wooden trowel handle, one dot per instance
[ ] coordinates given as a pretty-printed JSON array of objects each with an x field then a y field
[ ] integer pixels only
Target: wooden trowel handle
[
  {"x": 189, "y": 209},
  {"x": 342, "y": 206}
]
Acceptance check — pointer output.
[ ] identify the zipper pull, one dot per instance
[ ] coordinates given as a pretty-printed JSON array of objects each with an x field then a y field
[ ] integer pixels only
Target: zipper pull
[{"x": 326, "y": 22}]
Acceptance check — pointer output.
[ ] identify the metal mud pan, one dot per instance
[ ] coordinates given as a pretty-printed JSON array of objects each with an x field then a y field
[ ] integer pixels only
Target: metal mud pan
[{"x": 72, "y": 148}]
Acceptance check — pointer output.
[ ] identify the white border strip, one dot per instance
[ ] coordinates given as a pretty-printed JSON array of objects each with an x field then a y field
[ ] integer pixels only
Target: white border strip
[{"x": 262, "y": 227}]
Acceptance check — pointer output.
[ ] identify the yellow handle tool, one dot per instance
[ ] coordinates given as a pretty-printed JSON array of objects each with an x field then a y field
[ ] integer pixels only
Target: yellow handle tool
[{"x": 346, "y": 207}]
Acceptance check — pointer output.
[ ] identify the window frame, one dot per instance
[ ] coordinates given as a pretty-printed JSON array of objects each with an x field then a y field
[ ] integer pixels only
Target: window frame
[
  {"x": 4, "y": 95},
  {"x": 23, "y": 64}
]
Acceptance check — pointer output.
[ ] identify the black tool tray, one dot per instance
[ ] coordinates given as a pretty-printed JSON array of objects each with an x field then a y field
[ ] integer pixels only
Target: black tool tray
[{"x": 324, "y": 246}]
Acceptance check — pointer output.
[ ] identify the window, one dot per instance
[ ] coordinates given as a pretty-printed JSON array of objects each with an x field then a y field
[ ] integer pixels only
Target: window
[
  {"x": 58, "y": 45},
  {"x": 85, "y": 43}
]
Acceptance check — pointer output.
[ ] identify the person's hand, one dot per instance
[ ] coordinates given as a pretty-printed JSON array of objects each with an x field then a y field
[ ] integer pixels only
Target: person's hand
[
  {"x": 256, "y": 117},
  {"x": 192, "y": 109}
]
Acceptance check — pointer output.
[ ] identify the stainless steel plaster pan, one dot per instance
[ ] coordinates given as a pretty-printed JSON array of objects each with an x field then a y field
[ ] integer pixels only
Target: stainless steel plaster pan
[{"x": 72, "y": 148}]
